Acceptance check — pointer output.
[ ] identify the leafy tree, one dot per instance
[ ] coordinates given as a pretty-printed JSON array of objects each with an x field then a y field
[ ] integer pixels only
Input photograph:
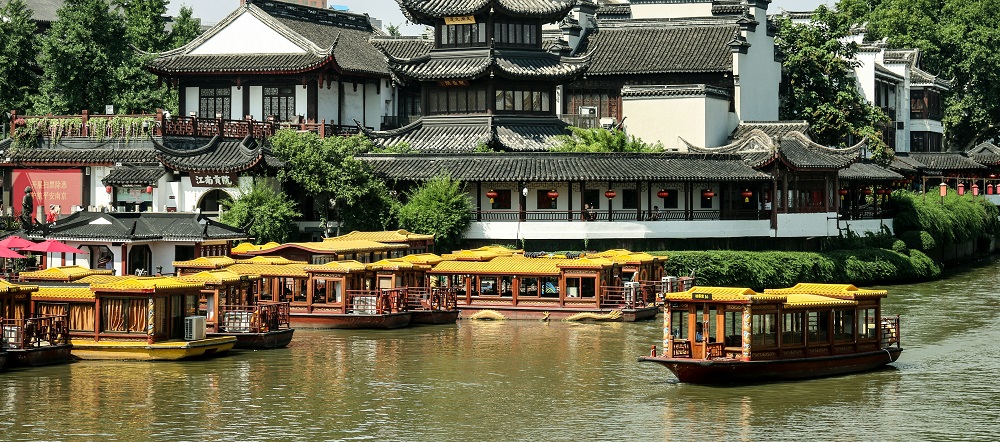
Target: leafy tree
[
  {"x": 264, "y": 213},
  {"x": 438, "y": 207},
  {"x": 327, "y": 171},
  {"x": 186, "y": 28},
  {"x": 80, "y": 56},
  {"x": 18, "y": 82},
  {"x": 393, "y": 30},
  {"x": 144, "y": 26},
  {"x": 819, "y": 83},
  {"x": 603, "y": 140}
]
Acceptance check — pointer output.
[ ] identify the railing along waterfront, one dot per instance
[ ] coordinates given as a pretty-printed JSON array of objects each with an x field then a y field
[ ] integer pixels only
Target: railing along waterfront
[
  {"x": 41, "y": 331},
  {"x": 260, "y": 318},
  {"x": 621, "y": 215}
]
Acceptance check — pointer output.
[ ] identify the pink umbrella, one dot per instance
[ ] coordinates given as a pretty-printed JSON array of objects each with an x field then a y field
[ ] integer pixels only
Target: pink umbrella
[
  {"x": 51, "y": 246},
  {"x": 8, "y": 253},
  {"x": 15, "y": 242}
]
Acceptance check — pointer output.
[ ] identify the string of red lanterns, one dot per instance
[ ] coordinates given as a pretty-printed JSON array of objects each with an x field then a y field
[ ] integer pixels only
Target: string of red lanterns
[{"x": 610, "y": 194}]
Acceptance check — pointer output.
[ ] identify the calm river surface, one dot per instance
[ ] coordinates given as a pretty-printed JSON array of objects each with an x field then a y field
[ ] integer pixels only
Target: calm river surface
[{"x": 525, "y": 380}]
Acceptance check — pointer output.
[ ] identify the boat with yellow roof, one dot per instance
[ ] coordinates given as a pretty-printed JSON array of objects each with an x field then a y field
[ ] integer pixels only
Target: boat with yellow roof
[
  {"x": 721, "y": 335},
  {"x": 30, "y": 337},
  {"x": 231, "y": 310},
  {"x": 130, "y": 318}
]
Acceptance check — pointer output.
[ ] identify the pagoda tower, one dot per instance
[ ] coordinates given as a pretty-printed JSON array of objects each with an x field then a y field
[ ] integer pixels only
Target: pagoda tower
[{"x": 486, "y": 80}]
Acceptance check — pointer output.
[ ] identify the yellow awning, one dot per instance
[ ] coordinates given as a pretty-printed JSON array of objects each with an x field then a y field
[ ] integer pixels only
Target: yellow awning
[{"x": 63, "y": 273}]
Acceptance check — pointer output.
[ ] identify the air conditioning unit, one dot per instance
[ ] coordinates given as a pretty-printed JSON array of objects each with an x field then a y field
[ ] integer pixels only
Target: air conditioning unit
[
  {"x": 668, "y": 284},
  {"x": 194, "y": 328},
  {"x": 632, "y": 292},
  {"x": 588, "y": 110}
]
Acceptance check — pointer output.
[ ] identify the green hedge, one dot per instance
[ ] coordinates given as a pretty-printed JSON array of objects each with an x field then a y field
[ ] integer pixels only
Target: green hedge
[{"x": 760, "y": 270}]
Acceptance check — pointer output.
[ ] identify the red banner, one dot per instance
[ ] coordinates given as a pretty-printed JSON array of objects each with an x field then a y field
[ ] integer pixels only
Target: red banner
[{"x": 60, "y": 187}]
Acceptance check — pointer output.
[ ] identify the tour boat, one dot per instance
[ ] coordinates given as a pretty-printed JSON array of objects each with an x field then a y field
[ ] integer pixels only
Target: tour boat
[
  {"x": 230, "y": 310},
  {"x": 725, "y": 335},
  {"x": 131, "y": 318},
  {"x": 30, "y": 337}
]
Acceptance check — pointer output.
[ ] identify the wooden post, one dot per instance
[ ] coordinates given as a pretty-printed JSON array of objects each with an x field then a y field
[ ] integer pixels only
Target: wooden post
[{"x": 84, "y": 129}]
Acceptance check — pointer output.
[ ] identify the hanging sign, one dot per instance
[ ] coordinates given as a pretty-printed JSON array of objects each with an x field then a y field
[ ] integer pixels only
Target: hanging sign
[
  {"x": 199, "y": 179},
  {"x": 460, "y": 20}
]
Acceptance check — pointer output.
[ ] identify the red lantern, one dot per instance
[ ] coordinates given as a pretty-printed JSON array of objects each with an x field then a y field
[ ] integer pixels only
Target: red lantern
[
  {"x": 867, "y": 191},
  {"x": 109, "y": 189},
  {"x": 708, "y": 193},
  {"x": 746, "y": 195},
  {"x": 149, "y": 189},
  {"x": 843, "y": 193},
  {"x": 610, "y": 194},
  {"x": 993, "y": 176},
  {"x": 553, "y": 194},
  {"x": 491, "y": 195},
  {"x": 663, "y": 193}
]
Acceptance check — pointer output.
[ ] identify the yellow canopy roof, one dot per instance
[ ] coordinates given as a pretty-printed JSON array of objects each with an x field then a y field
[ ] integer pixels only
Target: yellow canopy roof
[
  {"x": 330, "y": 247},
  {"x": 64, "y": 293},
  {"x": 346, "y": 266},
  {"x": 100, "y": 279},
  {"x": 218, "y": 277},
  {"x": 422, "y": 258},
  {"x": 803, "y": 300},
  {"x": 396, "y": 264},
  {"x": 506, "y": 265},
  {"x": 633, "y": 258},
  {"x": 497, "y": 250},
  {"x": 64, "y": 273},
  {"x": 470, "y": 255},
  {"x": 244, "y": 247},
  {"x": 585, "y": 263},
  {"x": 272, "y": 260},
  {"x": 9, "y": 287},
  {"x": 206, "y": 262},
  {"x": 386, "y": 236},
  {"x": 289, "y": 270},
  {"x": 151, "y": 284},
  {"x": 740, "y": 295},
  {"x": 848, "y": 291}
]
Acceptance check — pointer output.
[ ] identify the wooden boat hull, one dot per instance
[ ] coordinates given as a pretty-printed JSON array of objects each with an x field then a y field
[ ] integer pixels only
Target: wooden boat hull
[
  {"x": 703, "y": 371},
  {"x": 3, "y": 358},
  {"x": 350, "y": 321},
  {"x": 160, "y": 351},
  {"x": 260, "y": 341},
  {"x": 558, "y": 314},
  {"x": 434, "y": 317},
  {"x": 36, "y": 357}
]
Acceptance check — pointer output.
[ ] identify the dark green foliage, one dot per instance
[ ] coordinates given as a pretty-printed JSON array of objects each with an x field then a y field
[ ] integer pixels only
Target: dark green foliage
[
  {"x": 899, "y": 246},
  {"x": 18, "y": 82},
  {"x": 918, "y": 240},
  {"x": 144, "y": 24},
  {"x": 185, "y": 28},
  {"x": 264, "y": 213},
  {"x": 760, "y": 270},
  {"x": 441, "y": 207},
  {"x": 819, "y": 85},
  {"x": 949, "y": 220},
  {"x": 603, "y": 140}
]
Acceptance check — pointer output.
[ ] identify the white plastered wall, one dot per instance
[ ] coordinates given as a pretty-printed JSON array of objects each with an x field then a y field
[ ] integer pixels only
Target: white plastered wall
[
  {"x": 651, "y": 9},
  {"x": 759, "y": 75},
  {"x": 247, "y": 35},
  {"x": 257, "y": 102},
  {"x": 700, "y": 120},
  {"x": 327, "y": 103},
  {"x": 353, "y": 104},
  {"x": 190, "y": 101},
  {"x": 236, "y": 111}
]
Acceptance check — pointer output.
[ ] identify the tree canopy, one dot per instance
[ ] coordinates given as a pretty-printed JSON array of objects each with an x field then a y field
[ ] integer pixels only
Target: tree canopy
[
  {"x": 185, "y": 28},
  {"x": 264, "y": 213},
  {"x": 18, "y": 81},
  {"x": 440, "y": 207},
  {"x": 819, "y": 85},
  {"x": 603, "y": 140}
]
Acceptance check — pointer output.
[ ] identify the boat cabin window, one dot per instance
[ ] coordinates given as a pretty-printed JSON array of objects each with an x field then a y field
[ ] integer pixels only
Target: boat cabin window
[
  {"x": 679, "y": 324},
  {"x": 506, "y": 286},
  {"x": 319, "y": 291},
  {"x": 385, "y": 282},
  {"x": 819, "y": 327},
  {"x": 843, "y": 325},
  {"x": 81, "y": 317},
  {"x": 528, "y": 287},
  {"x": 764, "y": 330},
  {"x": 867, "y": 323},
  {"x": 793, "y": 328},
  {"x": 549, "y": 286},
  {"x": 581, "y": 287},
  {"x": 124, "y": 314},
  {"x": 733, "y": 328},
  {"x": 488, "y": 286},
  {"x": 293, "y": 289}
]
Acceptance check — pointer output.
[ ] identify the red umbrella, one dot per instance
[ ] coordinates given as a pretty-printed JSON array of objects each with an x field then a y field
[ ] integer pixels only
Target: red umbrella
[
  {"x": 15, "y": 242},
  {"x": 8, "y": 253},
  {"x": 51, "y": 246}
]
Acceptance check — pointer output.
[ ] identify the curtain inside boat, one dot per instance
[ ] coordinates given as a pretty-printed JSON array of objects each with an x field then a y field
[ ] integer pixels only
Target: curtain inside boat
[
  {"x": 124, "y": 314},
  {"x": 81, "y": 317}
]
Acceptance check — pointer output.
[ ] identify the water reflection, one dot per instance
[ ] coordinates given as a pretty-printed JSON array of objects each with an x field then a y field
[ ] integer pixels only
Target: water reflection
[{"x": 524, "y": 380}]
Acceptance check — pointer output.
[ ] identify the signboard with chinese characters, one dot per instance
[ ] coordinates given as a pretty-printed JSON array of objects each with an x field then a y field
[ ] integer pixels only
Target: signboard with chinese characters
[
  {"x": 132, "y": 195},
  {"x": 63, "y": 188},
  {"x": 460, "y": 20},
  {"x": 213, "y": 179}
]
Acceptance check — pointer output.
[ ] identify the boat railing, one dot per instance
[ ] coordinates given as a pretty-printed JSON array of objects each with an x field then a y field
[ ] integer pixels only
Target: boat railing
[
  {"x": 715, "y": 350},
  {"x": 680, "y": 349},
  {"x": 430, "y": 299},
  {"x": 260, "y": 318},
  {"x": 40, "y": 331},
  {"x": 376, "y": 302},
  {"x": 889, "y": 335},
  {"x": 639, "y": 296}
]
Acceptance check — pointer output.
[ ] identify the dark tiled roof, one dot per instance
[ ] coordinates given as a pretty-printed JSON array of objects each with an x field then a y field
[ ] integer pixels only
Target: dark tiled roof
[
  {"x": 756, "y": 147},
  {"x": 85, "y": 152},
  {"x": 656, "y": 47},
  {"x": 800, "y": 152},
  {"x": 217, "y": 155},
  {"x": 618, "y": 10},
  {"x": 945, "y": 161},
  {"x": 467, "y": 133},
  {"x": 901, "y": 56},
  {"x": 773, "y": 129},
  {"x": 879, "y": 69},
  {"x": 141, "y": 226},
  {"x": 424, "y": 11},
  {"x": 41, "y": 10},
  {"x": 679, "y": 90},
  {"x": 403, "y": 47},
  {"x": 324, "y": 35},
  {"x": 729, "y": 7},
  {"x": 920, "y": 77},
  {"x": 905, "y": 165},
  {"x": 565, "y": 167},
  {"x": 866, "y": 170},
  {"x": 133, "y": 176},
  {"x": 474, "y": 64},
  {"x": 985, "y": 153}
]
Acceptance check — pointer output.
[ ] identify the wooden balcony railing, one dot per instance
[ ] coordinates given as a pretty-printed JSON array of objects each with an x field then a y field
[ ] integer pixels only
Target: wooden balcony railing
[
  {"x": 430, "y": 299},
  {"x": 621, "y": 215},
  {"x": 376, "y": 302},
  {"x": 41, "y": 331},
  {"x": 260, "y": 318}
]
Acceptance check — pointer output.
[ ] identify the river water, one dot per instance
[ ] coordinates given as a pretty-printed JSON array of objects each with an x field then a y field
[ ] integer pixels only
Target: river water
[{"x": 526, "y": 380}]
